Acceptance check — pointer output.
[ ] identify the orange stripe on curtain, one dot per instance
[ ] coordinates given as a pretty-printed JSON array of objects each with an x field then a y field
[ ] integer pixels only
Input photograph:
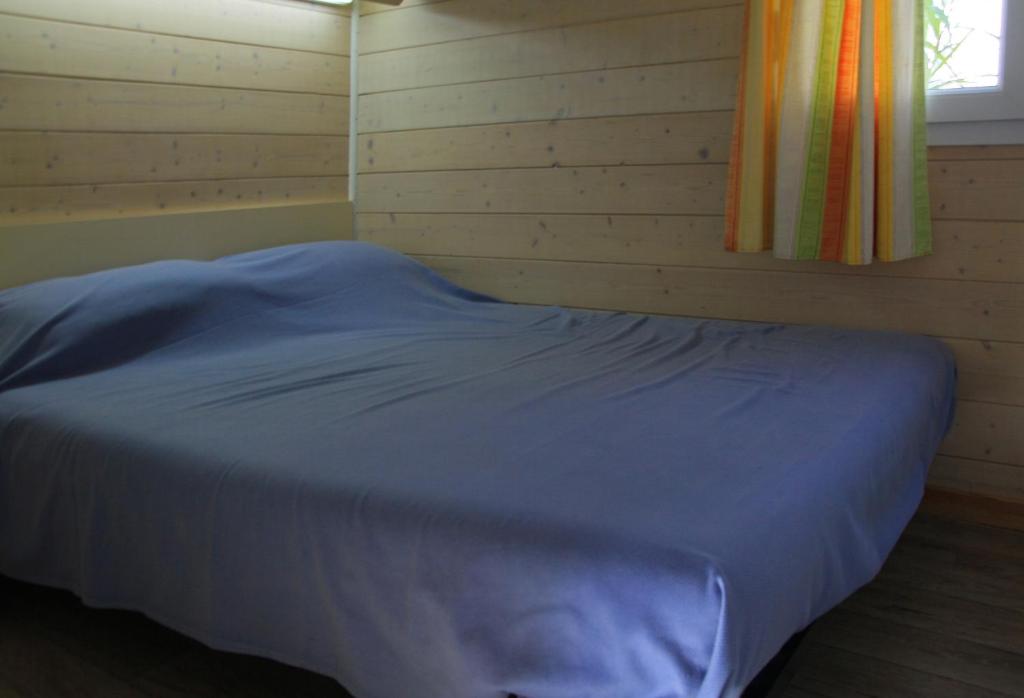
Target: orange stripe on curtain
[{"x": 841, "y": 152}]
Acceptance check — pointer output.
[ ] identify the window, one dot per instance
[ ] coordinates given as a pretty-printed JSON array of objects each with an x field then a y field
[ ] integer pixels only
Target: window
[
  {"x": 964, "y": 44},
  {"x": 974, "y": 58}
]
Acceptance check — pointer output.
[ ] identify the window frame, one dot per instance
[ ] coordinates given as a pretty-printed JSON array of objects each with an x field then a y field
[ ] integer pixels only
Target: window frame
[{"x": 985, "y": 115}]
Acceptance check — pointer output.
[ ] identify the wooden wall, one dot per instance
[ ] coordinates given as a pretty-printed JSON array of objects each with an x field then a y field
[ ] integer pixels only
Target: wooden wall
[
  {"x": 560, "y": 151},
  {"x": 133, "y": 107}
]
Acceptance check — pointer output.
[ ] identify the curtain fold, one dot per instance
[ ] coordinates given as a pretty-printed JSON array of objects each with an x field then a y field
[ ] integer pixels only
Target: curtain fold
[{"x": 828, "y": 158}]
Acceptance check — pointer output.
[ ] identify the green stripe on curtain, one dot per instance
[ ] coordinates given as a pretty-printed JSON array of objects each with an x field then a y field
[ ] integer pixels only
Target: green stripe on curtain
[{"x": 812, "y": 208}]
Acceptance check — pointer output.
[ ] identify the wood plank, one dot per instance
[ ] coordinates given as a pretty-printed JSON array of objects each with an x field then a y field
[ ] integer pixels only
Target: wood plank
[
  {"x": 46, "y": 47},
  {"x": 991, "y": 511},
  {"x": 372, "y": 6},
  {"x": 976, "y": 152},
  {"x": 690, "y": 189},
  {"x": 945, "y": 308},
  {"x": 672, "y": 38},
  {"x": 634, "y": 140},
  {"x": 34, "y": 666},
  {"x": 990, "y": 371},
  {"x": 837, "y": 673},
  {"x": 457, "y": 20},
  {"x": 932, "y": 653},
  {"x": 662, "y": 89},
  {"x": 52, "y": 646},
  {"x": 640, "y": 239},
  {"x": 34, "y": 252},
  {"x": 205, "y": 674},
  {"x": 59, "y": 104},
  {"x": 999, "y": 628},
  {"x": 629, "y": 140},
  {"x": 942, "y": 531},
  {"x": 987, "y": 431},
  {"x": 976, "y": 577},
  {"x": 627, "y": 189},
  {"x": 22, "y": 205},
  {"x": 293, "y": 25},
  {"x": 982, "y": 251},
  {"x": 792, "y": 692},
  {"x": 977, "y": 189},
  {"x": 121, "y": 647},
  {"x": 998, "y": 480},
  {"x": 47, "y": 159}
]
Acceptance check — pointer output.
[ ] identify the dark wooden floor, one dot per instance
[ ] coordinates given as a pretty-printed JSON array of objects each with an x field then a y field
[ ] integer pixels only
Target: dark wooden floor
[{"x": 945, "y": 619}]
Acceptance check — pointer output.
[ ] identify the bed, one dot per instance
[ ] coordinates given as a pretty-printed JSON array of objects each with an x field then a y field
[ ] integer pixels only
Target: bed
[{"x": 327, "y": 454}]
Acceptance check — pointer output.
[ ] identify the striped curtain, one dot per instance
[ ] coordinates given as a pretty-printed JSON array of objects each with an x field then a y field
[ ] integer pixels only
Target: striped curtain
[{"x": 828, "y": 154}]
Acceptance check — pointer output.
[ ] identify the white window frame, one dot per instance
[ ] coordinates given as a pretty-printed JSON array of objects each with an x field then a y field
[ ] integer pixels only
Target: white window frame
[{"x": 985, "y": 115}]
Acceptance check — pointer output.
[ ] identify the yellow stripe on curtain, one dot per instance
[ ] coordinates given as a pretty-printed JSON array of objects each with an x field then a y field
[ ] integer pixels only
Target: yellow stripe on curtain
[{"x": 828, "y": 156}]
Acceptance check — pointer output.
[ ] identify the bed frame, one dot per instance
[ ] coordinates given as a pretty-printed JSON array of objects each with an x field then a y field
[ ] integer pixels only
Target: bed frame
[{"x": 42, "y": 251}]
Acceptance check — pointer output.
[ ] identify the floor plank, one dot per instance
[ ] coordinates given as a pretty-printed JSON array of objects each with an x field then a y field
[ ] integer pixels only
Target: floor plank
[
  {"x": 202, "y": 673},
  {"x": 953, "y": 534},
  {"x": 52, "y": 646},
  {"x": 939, "y": 654},
  {"x": 968, "y": 507},
  {"x": 944, "y": 618},
  {"x": 999, "y": 628},
  {"x": 979, "y": 577},
  {"x": 33, "y": 666},
  {"x": 833, "y": 673}
]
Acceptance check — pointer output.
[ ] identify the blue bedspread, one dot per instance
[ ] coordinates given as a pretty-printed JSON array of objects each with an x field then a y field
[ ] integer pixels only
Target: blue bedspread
[{"x": 329, "y": 455}]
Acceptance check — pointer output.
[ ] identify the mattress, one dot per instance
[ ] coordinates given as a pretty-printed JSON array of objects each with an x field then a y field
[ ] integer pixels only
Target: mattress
[{"x": 328, "y": 455}]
